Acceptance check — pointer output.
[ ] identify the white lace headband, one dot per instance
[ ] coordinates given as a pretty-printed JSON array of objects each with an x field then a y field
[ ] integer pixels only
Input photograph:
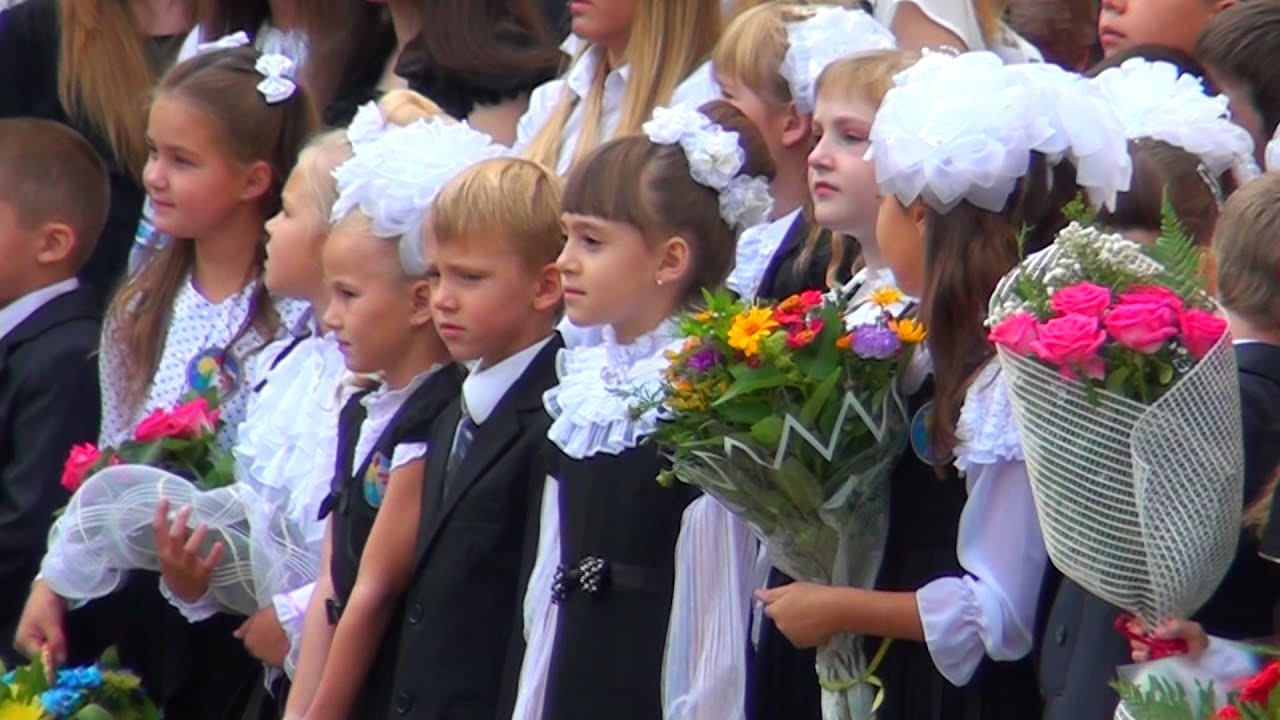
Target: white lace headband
[
  {"x": 715, "y": 160},
  {"x": 396, "y": 177},
  {"x": 829, "y": 34},
  {"x": 277, "y": 70}
]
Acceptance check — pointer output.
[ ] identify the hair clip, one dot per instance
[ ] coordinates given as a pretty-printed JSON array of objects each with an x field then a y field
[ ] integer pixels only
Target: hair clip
[
  {"x": 226, "y": 42},
  {"x": 1211, "y": 182},
  {"x": 276, "y": 71}
]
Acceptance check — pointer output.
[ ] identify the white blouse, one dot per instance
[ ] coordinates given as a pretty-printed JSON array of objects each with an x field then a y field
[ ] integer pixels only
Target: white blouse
[
  {"x": 960, "y": 17},
  {"x": 756, "y": 247},
  {"x": 696, "y": 89},
  {"x": 197, "y": 326},
  {"x": 992, "y": 609},
  {"x": 269, "y": 39}
]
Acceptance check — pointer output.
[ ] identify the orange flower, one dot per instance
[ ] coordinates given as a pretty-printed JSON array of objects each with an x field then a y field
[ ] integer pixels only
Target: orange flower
[
  {"x": 749, "y": 328},
  {"x": 844, "y": 342},
  {"x": 910, "y": 332}
]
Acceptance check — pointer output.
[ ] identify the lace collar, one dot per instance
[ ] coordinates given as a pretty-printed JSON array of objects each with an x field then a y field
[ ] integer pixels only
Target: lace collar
[
  {"x": 756, "y": 248},
  {"x": 592, "y": 407}
]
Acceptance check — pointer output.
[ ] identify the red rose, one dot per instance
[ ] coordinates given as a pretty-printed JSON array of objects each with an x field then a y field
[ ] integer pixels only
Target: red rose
[
  {"x": 156, "y": 426},
  {"x": 1141, "y": 327},
  {"x": 80, "y": 461},
  {"x": 193, "y": 419},
  {"x": 1072, "y": 343},
  {"x": 1015, "y": 333},
  {"x": 1259, "y": 687},
  {"x": 1152, "y": 295},
  {"x": 1200, "y": 331},
  {"x": 1082, "y": 298},
  {"x": 1228, "y": 712}
]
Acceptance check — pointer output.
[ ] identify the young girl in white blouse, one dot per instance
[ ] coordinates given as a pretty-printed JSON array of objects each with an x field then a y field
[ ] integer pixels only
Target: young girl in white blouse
[{"x": 948, "y": 229}]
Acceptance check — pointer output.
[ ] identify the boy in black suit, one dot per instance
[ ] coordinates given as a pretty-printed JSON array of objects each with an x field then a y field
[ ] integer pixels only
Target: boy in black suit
[
  {"x": 493, "y": 241},
  {"x": 54, "y": 195}
]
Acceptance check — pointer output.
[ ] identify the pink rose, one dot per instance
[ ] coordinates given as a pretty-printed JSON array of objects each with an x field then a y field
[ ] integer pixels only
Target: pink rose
[
  {"x": 1083, "y": 299},
  {"x": 156, "y": 426},
  {"x": 1072, "y": 342},
  {"x": 1141, "y": 327},
  {"x": 80, "y": 461},
  {"x": 193, "y": 419},
  {"x": 1015, "y": 333},
  {"x": 1152, "y": 295},
  {"x": 1200, "y": 331}
]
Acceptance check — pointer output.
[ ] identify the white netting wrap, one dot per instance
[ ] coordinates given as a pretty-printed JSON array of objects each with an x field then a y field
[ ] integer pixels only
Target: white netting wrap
[
  {"x": 106, "y": 531},
  {"x": 1139, "y": 504}
]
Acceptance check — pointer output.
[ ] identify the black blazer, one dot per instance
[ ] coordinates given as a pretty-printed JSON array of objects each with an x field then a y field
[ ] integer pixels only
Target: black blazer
[
  {"x": 48, "y": 402},
  {"x": 461, "y": 639},
  {"x": 785, "y": 276}
]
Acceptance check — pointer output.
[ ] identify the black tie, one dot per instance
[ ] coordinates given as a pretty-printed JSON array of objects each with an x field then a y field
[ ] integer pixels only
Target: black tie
[{"x": 462, "y": 439}]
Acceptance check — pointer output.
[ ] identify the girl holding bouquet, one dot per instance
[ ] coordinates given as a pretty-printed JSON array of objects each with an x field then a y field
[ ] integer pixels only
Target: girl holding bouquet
[
  {"x": 964, "y": 563},
  {"x": 224, "y": 130},
  {"x": 649, "y": 228}
]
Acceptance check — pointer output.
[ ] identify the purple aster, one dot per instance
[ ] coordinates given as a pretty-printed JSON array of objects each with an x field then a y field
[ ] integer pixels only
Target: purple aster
[
  {"x": 703, "y": 360},
  {"x": 876, "y": 342}
]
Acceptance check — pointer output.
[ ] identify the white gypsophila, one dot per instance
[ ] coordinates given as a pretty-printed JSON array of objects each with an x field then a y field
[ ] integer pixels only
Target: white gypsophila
[{"x": 746, "y": 202}]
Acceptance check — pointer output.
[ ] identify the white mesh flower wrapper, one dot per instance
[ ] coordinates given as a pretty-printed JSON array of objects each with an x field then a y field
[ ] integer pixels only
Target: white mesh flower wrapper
[
  {"x": 106, "y": 531},
  {"x": 829, "y": 530},
  {"x": 1139, "y": 504}
]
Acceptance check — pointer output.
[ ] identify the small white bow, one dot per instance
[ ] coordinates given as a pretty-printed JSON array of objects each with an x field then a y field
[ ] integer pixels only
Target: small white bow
[
  {"x": 276, "y": 71},
  {"x": 226, "y": 42}
]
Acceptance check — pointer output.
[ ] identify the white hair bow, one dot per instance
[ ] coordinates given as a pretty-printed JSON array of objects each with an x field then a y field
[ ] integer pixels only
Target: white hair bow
[
  {"x": 226, "y": 42},
  {"x": 276, "y": 85}
]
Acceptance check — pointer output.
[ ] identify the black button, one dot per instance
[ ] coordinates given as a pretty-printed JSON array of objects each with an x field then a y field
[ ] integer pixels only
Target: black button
[
  {"x": 404, "y": 703},
  {"x": 1060, "y": 636},
  {"x": 415, "y": 614}
]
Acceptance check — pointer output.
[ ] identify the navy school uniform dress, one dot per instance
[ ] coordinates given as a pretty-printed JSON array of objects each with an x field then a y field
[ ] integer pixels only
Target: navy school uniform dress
[
  {"x": 461, "y": 637},
  {"x": 618, "y": 533},
  {"x": 354, "y": 511},
  {"x": 1080, "y": 647}
]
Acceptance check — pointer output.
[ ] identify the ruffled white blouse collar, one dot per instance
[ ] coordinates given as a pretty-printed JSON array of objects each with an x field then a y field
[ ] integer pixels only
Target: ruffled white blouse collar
[
  {"x": 600, "y": 385},
  {"x": 756, "y": 248}
]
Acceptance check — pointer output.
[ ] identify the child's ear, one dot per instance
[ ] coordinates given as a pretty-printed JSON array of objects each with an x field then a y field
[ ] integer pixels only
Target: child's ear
[
  {"x": 419, "y": 303},
  {"x": 257, "y": 181},
  {"x": 919, "y": 215},
  {"x": 57, "y": 243},
  {"x": 673, "y": 261},
  {"x": 548, "y": 293},
  {"x": 796, "y": 126}
]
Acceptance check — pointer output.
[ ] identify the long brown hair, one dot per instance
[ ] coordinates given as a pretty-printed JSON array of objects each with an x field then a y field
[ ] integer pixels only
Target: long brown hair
[
  {"x": 104, "y": 75},
  {"x": 967, "y": 251},
  {"x": 224, "y": 86},
  {"x": 669, "y": 40},
  {"x": 648, "y": 186},
  {"x": 1242, "y": 43}
]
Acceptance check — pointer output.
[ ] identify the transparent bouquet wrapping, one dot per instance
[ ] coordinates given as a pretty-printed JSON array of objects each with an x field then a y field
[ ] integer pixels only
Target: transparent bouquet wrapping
[
  {"x": 107, "y": 530},
  {"x": 827, "y": 529}
]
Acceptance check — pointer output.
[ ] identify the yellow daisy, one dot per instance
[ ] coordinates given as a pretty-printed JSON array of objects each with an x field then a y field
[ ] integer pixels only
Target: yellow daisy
[
  {"x": 749, "y": 328},
  {"x": 11, "y": 710},
  {"x": 909, "y": 331},
  {"x": 886, "y": 296}
]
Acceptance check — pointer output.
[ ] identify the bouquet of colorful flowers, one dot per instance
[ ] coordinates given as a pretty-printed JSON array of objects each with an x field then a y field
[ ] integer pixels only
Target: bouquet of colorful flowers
[
  {"x": 1229, "y": 681},
  {"x": 793, "y": 423},
  {"x": 182, "y": 440},
  {"x": 1124, "y": 384},
  {"x": 33, "y": 692}
]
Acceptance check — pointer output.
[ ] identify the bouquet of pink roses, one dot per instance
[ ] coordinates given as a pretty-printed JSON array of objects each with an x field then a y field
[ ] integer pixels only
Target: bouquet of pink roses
[{"x": 1124, "y": 384}]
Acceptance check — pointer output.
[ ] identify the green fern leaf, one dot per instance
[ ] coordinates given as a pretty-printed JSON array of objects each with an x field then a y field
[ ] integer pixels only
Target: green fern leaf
[
  {"x": 1178, "y": 254},
  {"x": 1078, "y": 211},
  {"x": 1164, "y": 700}
]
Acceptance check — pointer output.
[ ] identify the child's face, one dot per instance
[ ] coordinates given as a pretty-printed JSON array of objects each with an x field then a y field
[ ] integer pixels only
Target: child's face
[
  {"x": 486, "y": 300},
  {"x": 1124, "y": 24},
  {"x": 603, "y": 22},
  {"x": 295, "y": 237},
  {"x": 610, "y": 274},
  {"x": 842, "y": 183},
  {"x": 371, "y": 308},
  {"x": 193, "y": 183},
  {"x": 900, "y": 237}
]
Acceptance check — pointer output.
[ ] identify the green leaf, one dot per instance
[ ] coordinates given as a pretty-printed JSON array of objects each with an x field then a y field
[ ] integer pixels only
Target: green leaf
[
  {"x": 747, "y": 411},
  {"x": 768, "y": 431},
  {"x": 753, "y": 380},
  {"x": 1116, "y": 380},
  {"x": 1164, "y": 372},
  {"x": 812, "y": 406},
  {"x": 93, "y": 712},
  {"x": 1178, "y": 254},
  {"x": 1079, "y": 211}
]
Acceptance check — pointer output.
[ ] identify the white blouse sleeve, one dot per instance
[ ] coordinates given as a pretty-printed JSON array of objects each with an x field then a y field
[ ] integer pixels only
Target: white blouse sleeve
[
  {"x": 991, "y": 610},
  {"x": 542, "y": 103},
  {"x": 291, "y": 610},
  {"x": 406, "y": 453},
  {"x": 540, "y": 613}
]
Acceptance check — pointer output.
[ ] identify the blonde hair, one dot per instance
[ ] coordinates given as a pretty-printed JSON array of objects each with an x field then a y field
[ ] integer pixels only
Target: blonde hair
[
  {"x": 104, "y": 76},
  {"x": 669, "y": 40},
  {"x": 516, "y": 199},
  {"x": 405, "y": 107},
  {"x": 753, "y": 46},
  {"x": 1246, "y": 248}
]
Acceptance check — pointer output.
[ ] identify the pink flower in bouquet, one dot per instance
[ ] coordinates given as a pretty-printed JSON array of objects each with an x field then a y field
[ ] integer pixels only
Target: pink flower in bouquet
[
  {"x": 1072, "y": 342},
  {"x": 1083, "y": 299},
  {"x": 156, "y": 426},
  {"x": 193, "y": 419},
  {"x": 803, "y": 336},
  {"x": 1015, "y": 333},
  {"x": 80, "y": 461},
  {"x": 1152, "y": 295},
  {"x": 1200, "y": 330},
  {"x": 1142, "y": 327}
]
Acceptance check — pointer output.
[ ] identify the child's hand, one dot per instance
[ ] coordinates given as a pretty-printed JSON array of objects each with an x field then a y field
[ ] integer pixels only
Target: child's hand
[
  {"x": 800, "y": 610},
  {"x": 40, "y": 627},
  {"x": 1192, "y": 633},
  {"x": 185, "y": 572},
  {"x": 264, "y": 638}
]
